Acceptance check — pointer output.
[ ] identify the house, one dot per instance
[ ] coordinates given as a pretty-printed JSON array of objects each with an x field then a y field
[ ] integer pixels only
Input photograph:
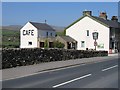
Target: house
[
  {"x": 37, "y": 35},
  {"x": 33, "y": 33},
  {"x": 82, "y": 31}
]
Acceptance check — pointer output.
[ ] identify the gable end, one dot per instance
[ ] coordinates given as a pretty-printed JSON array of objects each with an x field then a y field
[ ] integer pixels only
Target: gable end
[{"x": 89, "y": 17}]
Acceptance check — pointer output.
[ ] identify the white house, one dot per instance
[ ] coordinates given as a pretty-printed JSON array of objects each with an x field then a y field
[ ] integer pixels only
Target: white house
[
  {"x": 81, "y": 30},
  {"x": 31, "y": 33}
]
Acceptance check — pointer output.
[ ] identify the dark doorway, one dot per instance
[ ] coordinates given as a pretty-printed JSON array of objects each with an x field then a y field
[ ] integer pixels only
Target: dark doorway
[
  {"x": 112, "y": 45},
  {"x": 41, "y": 44},
  {"x": 51, "y": 45},
  {"x": 68, "y": 45}
]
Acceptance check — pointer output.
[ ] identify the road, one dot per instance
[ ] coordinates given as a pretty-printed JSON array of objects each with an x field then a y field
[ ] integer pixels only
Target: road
[{"x": 92, "y": 75}]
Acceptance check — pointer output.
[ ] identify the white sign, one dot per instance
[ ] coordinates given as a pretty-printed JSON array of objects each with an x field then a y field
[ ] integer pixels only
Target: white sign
[{"x": 101, "y": 45}]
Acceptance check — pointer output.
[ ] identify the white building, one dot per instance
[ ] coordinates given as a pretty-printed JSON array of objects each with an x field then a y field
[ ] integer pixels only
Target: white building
[
  {"x": 81, "y": 30},
  {"x": 31, "y": 33}
]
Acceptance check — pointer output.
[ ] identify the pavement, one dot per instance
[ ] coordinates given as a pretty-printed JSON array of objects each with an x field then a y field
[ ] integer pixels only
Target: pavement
[
  {"x": 24, "y": 71},
  {"x": 114, "y": 54},
  {"x": 102, "y": 74}
]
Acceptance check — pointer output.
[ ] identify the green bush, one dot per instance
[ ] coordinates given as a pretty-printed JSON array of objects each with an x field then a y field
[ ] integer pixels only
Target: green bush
[
  {"x": 58, "y": 44},
  {"x": 46, "y": 44}
]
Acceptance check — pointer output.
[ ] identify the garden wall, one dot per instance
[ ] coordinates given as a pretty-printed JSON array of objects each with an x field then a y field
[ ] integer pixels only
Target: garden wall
[{"x": 22, "y": 57}]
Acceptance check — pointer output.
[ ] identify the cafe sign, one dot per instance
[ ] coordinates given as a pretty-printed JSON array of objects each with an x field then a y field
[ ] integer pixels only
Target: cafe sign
[{"x": 28, "y": 32}]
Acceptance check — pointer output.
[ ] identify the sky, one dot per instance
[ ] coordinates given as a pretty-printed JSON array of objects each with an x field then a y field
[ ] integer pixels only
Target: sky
[
  {"x": 56, "y": 13},
  {"x": 60, "y": 0}
]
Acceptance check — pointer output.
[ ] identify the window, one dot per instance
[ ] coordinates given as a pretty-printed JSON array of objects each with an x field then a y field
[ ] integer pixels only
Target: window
[
  {"x": 47, "y": 34},
  {"x": 82, "y": 43},
  {"x": 51, "y": 34},
  {"x": 87, "y": 32},
  {"x": 29, "y": 43}
]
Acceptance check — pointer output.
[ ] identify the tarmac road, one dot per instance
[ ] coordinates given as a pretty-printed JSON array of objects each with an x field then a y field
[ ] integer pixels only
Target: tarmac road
[{"x": 95, "y": 75}]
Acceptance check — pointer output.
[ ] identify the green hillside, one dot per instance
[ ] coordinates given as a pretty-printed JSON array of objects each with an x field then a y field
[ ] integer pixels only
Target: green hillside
[{"x": 10, "y": 39}]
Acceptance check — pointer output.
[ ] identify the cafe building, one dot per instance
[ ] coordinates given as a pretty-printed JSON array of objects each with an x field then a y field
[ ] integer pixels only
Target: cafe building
[
  {"x": 33, "y": 35},
  {"x": 36, "y": 35}
]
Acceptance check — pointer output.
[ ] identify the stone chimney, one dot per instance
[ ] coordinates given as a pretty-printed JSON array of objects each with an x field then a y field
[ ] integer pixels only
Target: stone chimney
[
  {"x": 87, "y": 13},
  {"x": 103, "y": 15},
  {"x": 114, "y": 18}
]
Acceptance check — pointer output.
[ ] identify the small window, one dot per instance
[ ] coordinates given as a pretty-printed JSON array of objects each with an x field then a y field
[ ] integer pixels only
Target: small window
[
  {"x": 29, "y": 43},
  {"x": 82, "y": 43},
  {"x": 50, "y": 34},
  {"x": 47, "y": 34},
  {"x": 87, "y": 32}
]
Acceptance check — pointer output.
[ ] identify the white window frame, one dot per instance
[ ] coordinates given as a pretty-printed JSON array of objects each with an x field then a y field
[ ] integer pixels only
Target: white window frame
[{"x": 82, "y": 44}]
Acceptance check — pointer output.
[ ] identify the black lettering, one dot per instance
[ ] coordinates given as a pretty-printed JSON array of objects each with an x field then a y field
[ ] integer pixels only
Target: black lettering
[
  {"x": 28, "y": 32},
  {"x": 32, "y": 32},
  {"x": 24, "y": 32}
]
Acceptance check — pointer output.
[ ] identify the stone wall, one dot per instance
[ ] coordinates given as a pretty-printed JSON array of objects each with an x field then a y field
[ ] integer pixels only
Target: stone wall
[{"x": 22, "y": 57}]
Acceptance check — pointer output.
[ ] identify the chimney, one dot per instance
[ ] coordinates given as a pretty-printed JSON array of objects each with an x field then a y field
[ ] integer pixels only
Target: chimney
[
  {"x": 87, "y": 13},
  {"x": 103, "y": 15},
  {"x": 114, "y": 18},
  {"x": 45, "y": 21}
]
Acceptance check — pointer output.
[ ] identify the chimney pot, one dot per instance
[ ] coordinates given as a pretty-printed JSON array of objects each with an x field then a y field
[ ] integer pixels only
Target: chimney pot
[
  {"x": 114, "y": 18},
  {"x": 87, "y": 13},
  {"x": 103, "y": 15}
]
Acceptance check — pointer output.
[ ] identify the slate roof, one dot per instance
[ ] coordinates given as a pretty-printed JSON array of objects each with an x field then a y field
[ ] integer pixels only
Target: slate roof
[
  {"x": 67, "y": 38},
  {"x": 42, "y": 26},
  {"x": 107, "y": 23},
  {"x": 110, "y": 23}
]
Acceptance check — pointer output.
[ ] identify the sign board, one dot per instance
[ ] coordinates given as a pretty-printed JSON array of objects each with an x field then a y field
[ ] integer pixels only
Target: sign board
[
  {"x": 95, "y": 35},
  {"x": 95, "y": 43},
  {"x": 28, "y": 32},
  {"x": 101, "y": 45}
]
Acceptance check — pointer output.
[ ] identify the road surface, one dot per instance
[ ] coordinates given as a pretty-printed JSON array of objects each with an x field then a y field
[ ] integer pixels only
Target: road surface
[{"x": 93, "y": 75}]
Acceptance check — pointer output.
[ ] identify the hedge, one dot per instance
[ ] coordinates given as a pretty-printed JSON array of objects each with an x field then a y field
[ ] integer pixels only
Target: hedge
[{"x": 22, "y": 57}]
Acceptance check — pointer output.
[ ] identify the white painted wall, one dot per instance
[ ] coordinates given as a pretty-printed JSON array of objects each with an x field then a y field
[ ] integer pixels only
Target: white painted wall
[
  {"x": 42, "y": 33},
  {"x": 24, "y": 39},
  {"x": 79, "y": 32}
]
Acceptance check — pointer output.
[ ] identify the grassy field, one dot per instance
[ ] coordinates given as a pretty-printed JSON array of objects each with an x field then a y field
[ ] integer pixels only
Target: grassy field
[
  {"x": 10, "y": 39},
  {"x": 60, "y": 33}
]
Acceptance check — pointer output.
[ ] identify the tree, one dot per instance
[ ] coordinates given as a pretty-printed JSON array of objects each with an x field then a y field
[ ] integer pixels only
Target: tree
[{"x": 64, "y": 32}]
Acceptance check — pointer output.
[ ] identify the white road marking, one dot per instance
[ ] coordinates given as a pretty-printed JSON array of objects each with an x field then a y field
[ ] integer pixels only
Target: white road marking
[
  {"x": 35, "y": 73},
  {"x": 109, "y": 68},
  {"x": 72, "y": 80}
]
